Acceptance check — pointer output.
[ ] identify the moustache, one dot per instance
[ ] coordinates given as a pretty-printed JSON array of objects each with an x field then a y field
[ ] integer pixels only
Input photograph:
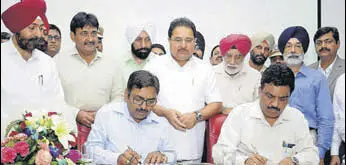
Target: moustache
[
  {"x": 144, "y": 50},
  {"x": 91, "y": 42},
  {"x": 324, "y": 49},
  {"x": 141, "y": 110},
  {"x": 274, "y": 108}
]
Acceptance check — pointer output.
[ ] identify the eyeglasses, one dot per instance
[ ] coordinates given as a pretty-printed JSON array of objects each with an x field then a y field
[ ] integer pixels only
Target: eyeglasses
[
  {"x": 85, "y": 33},
  {"x": 56, "y": 38},
  {"x": 326, "y": 41},
  {"x": 138, "y": 100},
  {"x": 180, "y": 41}
]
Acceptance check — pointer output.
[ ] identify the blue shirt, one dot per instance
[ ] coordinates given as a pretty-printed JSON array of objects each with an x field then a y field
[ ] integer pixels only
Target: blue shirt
[
  {"x": 114, "y": 130},
  {"x": 311, "y": 96}
]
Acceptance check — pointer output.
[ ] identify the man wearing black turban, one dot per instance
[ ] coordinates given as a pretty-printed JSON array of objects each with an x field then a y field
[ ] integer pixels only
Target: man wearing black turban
[{"x": 311, "y": 93}]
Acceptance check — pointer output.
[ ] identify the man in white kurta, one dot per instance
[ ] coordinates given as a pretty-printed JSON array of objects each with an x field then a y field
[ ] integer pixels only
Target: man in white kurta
[
  {"x": 238, "y": 82},
  {"x": 29, "y": 79},
  {"x": 267, "y": 131},
  {"x": 187, "y": 83}
]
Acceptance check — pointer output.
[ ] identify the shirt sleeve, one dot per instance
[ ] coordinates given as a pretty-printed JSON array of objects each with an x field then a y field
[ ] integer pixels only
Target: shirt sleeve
[
  {"x": 212, "y": 92},
  {"x": 223, "y": 150},
  {"x": 307, "y": 152},
  {"x": 97, "y": 140},
  {"x": 325, "y": 117},
  {"x": 339, "y": 112}
]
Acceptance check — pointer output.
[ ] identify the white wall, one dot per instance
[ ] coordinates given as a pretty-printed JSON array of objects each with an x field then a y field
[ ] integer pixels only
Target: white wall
[
  {"x": 333, "y": 14},
  {"x": 214, "y": 18}
]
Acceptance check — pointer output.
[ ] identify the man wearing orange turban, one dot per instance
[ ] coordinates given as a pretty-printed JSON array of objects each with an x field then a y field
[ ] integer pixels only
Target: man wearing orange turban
[{"x": 238, "y": 83}]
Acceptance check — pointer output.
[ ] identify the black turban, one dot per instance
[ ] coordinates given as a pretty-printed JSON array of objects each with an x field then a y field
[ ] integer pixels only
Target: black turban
[{"x": 294, "y": 32}]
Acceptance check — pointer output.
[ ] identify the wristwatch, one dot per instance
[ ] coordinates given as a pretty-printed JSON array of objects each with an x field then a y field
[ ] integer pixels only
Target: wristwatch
[
  {"x": 295, "y": 160},
  {"x": 199, "y": 116}
]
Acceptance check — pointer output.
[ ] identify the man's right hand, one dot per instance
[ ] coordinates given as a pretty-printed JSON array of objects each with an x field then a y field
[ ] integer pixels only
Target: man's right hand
[
  {"x": 129, "y": 157},
  {"x": 173, "y": 117},
  {"x": 256, "y": 159},
  {"x": 86, "y": 117},
  {"x": 335, "y": 160}
]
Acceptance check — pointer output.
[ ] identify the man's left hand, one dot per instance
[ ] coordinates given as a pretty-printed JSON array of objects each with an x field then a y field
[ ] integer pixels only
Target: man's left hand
[
  {"x": 155, "y": 158},
  {"x": 286, "y": 161},
  {"x": 188, "y": 119},
  {"x": 321, "y": 161}
]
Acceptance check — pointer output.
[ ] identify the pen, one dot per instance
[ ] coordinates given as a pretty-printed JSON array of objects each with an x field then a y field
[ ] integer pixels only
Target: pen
[{"x": 139, "y": 162}]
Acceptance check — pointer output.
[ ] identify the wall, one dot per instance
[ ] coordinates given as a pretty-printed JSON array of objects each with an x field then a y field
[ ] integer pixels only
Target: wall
[{"x": 215, "y": 19}]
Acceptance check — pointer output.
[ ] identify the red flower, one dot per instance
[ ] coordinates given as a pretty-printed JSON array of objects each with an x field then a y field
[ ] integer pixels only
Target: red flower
[
  {"x": 74, "y": 155},
  {"x": 28, "y": 114},
  {"x": 22, "y": 125},
  {"x": 13, "y": 133},
  {"x": 73, "y": 143},
  {"x": 22, "y": 148},
  {"x": 8, "y": 155},
  {"x": 59, "y": 146},
  {"x": 52, "y": 113}
]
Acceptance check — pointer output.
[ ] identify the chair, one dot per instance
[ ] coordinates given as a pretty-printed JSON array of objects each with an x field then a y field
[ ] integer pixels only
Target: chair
[{"x": 213, "y": 131}]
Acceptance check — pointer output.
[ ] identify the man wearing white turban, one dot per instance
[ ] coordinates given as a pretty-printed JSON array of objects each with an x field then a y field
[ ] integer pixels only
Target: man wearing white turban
[{"x": 140, "y": 37}]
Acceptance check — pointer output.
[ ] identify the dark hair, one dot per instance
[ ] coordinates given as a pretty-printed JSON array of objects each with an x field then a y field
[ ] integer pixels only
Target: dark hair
[
  {"x": 140, "y": 79},
  {"x": 212, "y": 51},
  {"x": 279, "y": 75},
  {"x": 5, "y": 36},
  {"x": 158, "y": 46},
  {"x": 54, "y": 27},
  {"x": 181, "y": 22},
  {"x": 324, "y": 30},
  {"x": 200, "y": 42},
  {"x": 82, "y": 19}
]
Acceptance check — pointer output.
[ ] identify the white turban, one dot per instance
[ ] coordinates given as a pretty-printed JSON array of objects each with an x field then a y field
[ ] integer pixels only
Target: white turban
[
  {"x": 133, "y": 31},
  {"x": 259, "y": 37}
]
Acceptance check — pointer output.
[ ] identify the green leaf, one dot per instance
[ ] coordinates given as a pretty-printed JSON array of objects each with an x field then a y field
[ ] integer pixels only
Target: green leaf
[
  {"x": 32, "y": 159},
  {"x": 54, "y": 163},
  {"x": 19, "y": 163}
]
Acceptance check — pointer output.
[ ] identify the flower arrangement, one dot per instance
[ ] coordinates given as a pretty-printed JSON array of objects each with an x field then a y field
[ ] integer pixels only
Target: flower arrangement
[{"x": 39, "y": 138}]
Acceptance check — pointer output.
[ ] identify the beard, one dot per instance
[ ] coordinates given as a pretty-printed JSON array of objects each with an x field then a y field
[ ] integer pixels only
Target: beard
[
  {"x": 233, "y": 69},
  {"x": 294, "y": 59},
  {"x": 141, "y": 53},
  {"x": 32, "y": 43},
  {"x": 258, "y": 59}
]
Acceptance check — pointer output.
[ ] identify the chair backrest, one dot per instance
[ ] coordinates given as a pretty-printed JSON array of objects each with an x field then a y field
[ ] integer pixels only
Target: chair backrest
[{"x": 213, "y": 132}]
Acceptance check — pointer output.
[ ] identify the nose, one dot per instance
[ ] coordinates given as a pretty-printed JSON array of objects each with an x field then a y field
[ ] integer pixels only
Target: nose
[
  {"x": 275, "y": 102},
  {"x": 144, "y": 105}
]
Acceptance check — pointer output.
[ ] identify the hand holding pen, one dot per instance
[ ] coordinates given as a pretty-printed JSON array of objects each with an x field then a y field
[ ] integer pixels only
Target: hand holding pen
[
  {"x": 129, "y": 157},
  {"x": 254, "y": 157}
]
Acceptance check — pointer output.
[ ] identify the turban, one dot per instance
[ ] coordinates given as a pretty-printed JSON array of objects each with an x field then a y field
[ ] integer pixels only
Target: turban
[
  {"x": 200, "y": 42},
  {"x": 240, "y": 41},
  {"x": 258, "y": 38},
  {"x": 133, "y": 31},
  {"x": 22, "y": 14},
  {"x": 297, "y": 32}
]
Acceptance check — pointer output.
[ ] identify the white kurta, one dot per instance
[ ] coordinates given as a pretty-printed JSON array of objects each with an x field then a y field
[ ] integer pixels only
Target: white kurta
[
  {"x": 239, "y": 89},
  {"x": 29, "y": 85},
  {"x": 245, "y": 131},
  {"x": 185, "y": 89}
]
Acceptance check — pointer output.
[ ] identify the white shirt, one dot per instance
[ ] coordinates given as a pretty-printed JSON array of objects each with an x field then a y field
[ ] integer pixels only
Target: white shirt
[
  {"x": 238, "y": 89},
  {"x": 339, "y": 112},
  {"x": 89, "y": 86},
  {"x": 185, "y": 89},
  {"x": 115, "y": 130},
  {"x": 32, "y": 85},
  {"x": 245, "y": 131},
  {"x": 326, "y": 72}
]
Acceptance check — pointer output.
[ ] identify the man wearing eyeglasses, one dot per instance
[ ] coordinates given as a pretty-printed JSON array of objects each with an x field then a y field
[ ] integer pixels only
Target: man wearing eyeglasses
[
  {"x": 128, "y": 132},
  {"x": 327, "y": 43},
  {"x": 311, "y": 95},
  {"x": 89, "y": 78},
  {"x": 238, "y": 82},
  {"x": 189, "y": 94},
  {"x": 54, "y": 40}
]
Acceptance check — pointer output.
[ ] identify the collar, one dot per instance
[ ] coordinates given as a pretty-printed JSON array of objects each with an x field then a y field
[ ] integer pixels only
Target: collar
[
  {"x": 304, "y": 70},
  {"x": 190, "y": 63},
  {"x": 130, "y": 59},
  {"x": 329, "y": 68},
  {"x": 123, "y": 109},
  {"x": 74, "y": 52},
  {"x": 13, "y": 51},
  {"x": 258, "y": 114}
]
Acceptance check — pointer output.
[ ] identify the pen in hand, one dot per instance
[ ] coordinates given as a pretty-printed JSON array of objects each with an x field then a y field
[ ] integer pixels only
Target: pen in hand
[{"x": 133, "y": 156}]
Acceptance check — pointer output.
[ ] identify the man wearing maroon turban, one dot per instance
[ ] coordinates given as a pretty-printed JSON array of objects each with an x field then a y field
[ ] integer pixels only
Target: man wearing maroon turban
[
  {"x": 311, "y": 94},
  {"x": 238, "y": 83},
  {"x": 29, "y": 79}
]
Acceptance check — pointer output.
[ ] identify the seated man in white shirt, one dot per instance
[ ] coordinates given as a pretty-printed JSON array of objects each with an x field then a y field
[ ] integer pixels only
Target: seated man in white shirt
[
  {"x": 238, "y": 82},
  {"x": 126, "y": 132},
  {"x": 267, "y": 131},
  {"x": 339, "y": 127}
]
